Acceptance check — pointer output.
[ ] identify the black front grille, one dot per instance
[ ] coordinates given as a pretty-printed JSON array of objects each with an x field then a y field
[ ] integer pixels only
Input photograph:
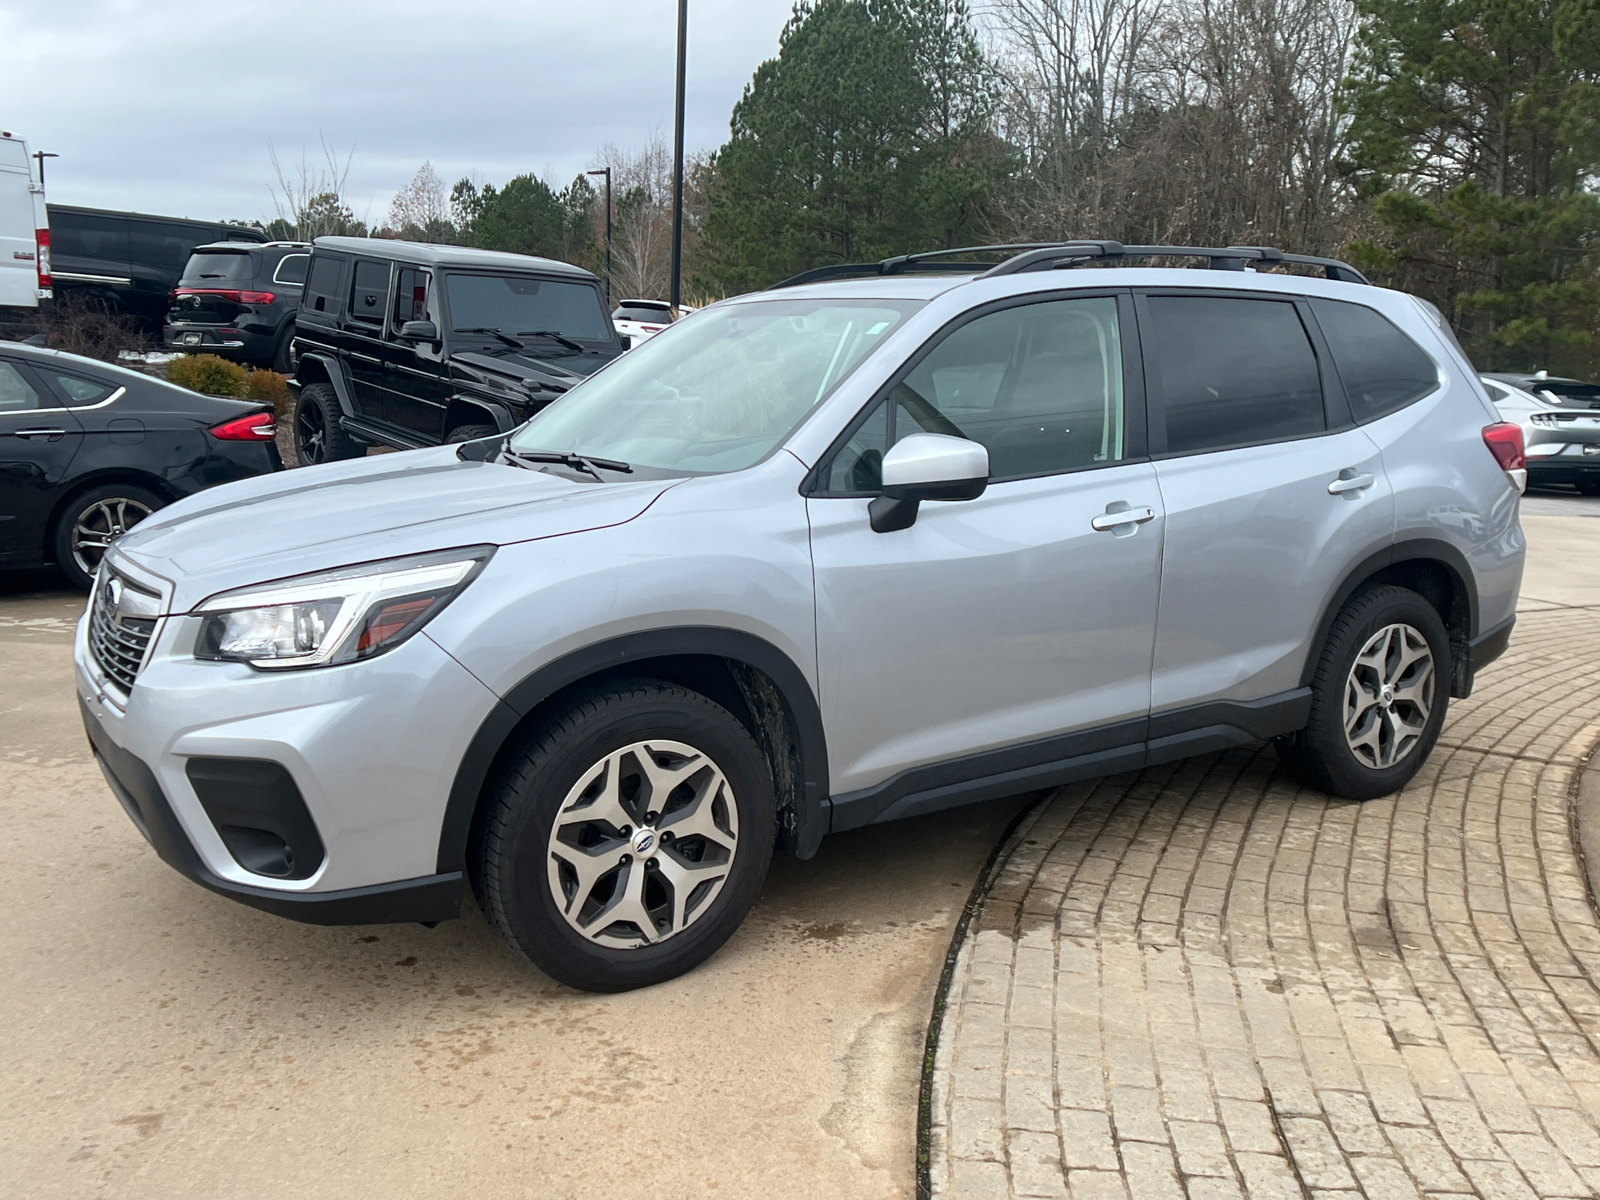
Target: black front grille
[{"x": 117, "y": 642}]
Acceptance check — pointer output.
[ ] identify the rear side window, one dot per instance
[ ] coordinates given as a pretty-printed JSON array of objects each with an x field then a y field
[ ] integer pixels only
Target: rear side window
[
  {"x": 210, "y": 268},
  {"x": 1382, "y": 369},
  {"x": 163, "y": 247},
  {"x": 17, "y": 393},
  {"x": 80, "y": 235},
  {"x": 1230, "y": 372},
  {"x": 291, "y": 269},
  {"x": 370, "y": 292},
  {"x": 323, "y": 289}
]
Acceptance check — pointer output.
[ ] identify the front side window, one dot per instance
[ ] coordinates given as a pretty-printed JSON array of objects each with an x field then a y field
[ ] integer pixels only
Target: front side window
[
  {"x": 522, "y": 306},
  {"x": 370, "y": 292},
  {"x": 720, "y": 390},
  {"x": 17, "y": 394},
  {"x": 1038, "y": 385},
  {"x": 1382, "y": 369},
  {"x": 411, "y": 296},
  {"x": 1227, "y": 372}
]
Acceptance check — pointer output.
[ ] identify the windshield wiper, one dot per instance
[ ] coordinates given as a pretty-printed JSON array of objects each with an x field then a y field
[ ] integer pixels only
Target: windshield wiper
[
  {"x": 578, "y": 462},
  {"x": 493, "y": 332},
  {"x": 553, "y": 335}
]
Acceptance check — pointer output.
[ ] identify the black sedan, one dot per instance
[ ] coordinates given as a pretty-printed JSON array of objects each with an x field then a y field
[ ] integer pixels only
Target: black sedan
[{"x": 88, "y": 450}]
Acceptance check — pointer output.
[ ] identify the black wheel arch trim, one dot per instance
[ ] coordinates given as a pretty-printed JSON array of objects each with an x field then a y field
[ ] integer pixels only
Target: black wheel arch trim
[
  {"x": 429, "y": 899},
  {"x": 497, "y": 414},
  {"x": 1417, "y": 549},
  {"x": 335, "y": 373},
  {"x": 735, "y": 646}
]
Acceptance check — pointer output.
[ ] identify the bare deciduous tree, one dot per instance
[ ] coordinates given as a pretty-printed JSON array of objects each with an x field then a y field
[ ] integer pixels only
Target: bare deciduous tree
[
  {"x": 420, "y": 211},
  {"x": 310, "y": 199}
]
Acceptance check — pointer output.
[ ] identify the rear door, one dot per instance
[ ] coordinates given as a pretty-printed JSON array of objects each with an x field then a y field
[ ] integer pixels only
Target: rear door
[
  {"x": 38, "y": 440},
  {"x": 363, "y": 349},
  {"x": 1271, "y": 494}
]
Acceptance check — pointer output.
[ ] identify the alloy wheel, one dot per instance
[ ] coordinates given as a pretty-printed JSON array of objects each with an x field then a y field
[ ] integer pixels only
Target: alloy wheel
[
  {"x": 98, "y": 525},
  {"x": 311, "y": 435},
  {"x": 643, "y": 843},
  {"x": 1388, "y": 696}
]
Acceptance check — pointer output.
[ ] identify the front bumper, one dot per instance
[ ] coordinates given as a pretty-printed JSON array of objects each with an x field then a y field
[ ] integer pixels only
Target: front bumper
[{"x": 372, "y": 749}]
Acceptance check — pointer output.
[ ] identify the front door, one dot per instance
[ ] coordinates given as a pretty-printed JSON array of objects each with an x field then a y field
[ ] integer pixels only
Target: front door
[
  {"x": 416, "y": 382},
  {"x": 38, "y": 440},
  {"x": 1269, "y": 501},
  {"x": 1001, "y": 637}
]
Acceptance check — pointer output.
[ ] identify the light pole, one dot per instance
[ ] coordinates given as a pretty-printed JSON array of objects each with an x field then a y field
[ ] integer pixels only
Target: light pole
[
  {"x": 41, "y": 155},
  {"x": 606, "y": 171},
  {"x": 677, "y": 159}
]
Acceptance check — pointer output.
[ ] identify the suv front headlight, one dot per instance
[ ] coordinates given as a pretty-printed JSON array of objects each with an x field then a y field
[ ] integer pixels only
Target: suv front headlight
[{"x": 334, "y": 616}]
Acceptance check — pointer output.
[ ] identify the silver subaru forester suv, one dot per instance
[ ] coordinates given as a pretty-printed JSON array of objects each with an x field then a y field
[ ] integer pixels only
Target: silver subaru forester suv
[{"x": 888, "y": 540}]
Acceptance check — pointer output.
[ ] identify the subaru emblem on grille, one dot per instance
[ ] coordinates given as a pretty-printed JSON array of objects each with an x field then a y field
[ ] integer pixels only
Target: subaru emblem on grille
[{"x": 114, "y": 597}]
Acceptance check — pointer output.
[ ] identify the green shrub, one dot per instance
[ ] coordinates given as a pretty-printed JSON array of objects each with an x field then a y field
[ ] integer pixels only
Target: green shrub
[
  {"x": 270, "y": 388},
  {"x": 209, "y": 374}
]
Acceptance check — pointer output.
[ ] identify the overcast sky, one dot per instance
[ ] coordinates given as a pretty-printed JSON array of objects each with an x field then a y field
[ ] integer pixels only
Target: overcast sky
[{"x": 168, "y": 108}]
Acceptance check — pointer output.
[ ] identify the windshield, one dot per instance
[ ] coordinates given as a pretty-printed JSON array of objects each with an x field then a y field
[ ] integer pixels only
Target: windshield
[
  {"x": 520, "y": 305},
  {"x": 720, "y": 391}
]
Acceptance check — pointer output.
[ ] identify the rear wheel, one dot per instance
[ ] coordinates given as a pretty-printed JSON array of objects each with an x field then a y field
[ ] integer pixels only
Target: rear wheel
[
  {"x": 1379, "y": 697},
  {"x": 627, "y": 838},
  {"x": 91, "y": 521},
  {"x": 319, "y": 436},
  {"x": 280, "y": 353}
]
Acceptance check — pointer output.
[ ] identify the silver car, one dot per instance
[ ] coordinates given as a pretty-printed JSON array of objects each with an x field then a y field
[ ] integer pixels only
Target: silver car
[
  {"x": 828, "y": 555},
  {"x": 1560, "y": 420}
]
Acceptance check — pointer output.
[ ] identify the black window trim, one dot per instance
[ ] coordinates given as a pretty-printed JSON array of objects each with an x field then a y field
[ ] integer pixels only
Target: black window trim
[
  {"x": 1337, "y": 381},
  {"x": 1335, "y": 408},
  {"x": 1135, "y": 438}
]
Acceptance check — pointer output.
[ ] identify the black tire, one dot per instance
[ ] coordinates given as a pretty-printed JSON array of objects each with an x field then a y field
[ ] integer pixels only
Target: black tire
[
  {"x": 280, "y": 352},
  {"x": 1588, "y": 485},
  {"x": 319, "y": 436},
  {"x": 1322, "y": 753},
  {"x": 105, "y": 510},
  {"x": 511, "y": 860},
  {"x": 469, "y": 433}
]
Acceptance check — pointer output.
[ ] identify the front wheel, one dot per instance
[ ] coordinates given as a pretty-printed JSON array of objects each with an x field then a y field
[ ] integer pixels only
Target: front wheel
[
  {"x": 627, "y": 838},
  {"x": 1379, "y": 697}
]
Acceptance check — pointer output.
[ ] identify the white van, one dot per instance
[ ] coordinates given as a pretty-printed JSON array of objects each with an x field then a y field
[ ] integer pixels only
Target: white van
[{"x": 24, "y": 232}]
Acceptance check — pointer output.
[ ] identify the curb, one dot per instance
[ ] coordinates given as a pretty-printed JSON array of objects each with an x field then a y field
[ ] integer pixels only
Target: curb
[
  {"x": 930, "y": 1050},
  {"x": 1586, "y": 822}
]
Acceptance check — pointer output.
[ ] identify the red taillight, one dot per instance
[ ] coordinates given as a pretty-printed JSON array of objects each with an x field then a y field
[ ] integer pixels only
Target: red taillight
[
  {"x": 233, "y": 294},
  {"x": 257, "y": 427},
  {"x": 1505, "y": 442},
  {"x": 41, "y": 249}
]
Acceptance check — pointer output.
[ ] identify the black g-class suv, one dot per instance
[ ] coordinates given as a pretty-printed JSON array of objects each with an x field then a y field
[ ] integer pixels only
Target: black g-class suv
[
  {"x": 408, "y": 345},
  {"x": 239, "y": 301}
]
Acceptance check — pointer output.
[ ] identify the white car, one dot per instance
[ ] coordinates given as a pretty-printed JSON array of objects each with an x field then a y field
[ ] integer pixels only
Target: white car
[
  {"x": 641, "y": 320},
  {"x": 24, "y": 233}
]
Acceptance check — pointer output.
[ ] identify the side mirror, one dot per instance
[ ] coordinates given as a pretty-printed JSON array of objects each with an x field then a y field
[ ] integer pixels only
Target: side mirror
[
  {"x": 927, "y": 466},
  {"x": 419, "y": 331}
]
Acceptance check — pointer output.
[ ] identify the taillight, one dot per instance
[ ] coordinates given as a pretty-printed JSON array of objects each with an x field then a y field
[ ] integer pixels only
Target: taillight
[
  {"x": 233, "y": 294},
  {"x": 41, "y": 244},
  {"x": 1505, "y": 442},
  {"x": 257, "y": 427}
]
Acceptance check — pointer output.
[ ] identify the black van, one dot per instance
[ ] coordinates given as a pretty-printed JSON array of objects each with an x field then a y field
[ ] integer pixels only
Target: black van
[{"x": 130, "y": 262}]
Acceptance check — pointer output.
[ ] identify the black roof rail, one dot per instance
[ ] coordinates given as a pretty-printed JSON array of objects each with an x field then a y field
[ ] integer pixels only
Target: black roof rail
[{"x": 1048, "y": 256}]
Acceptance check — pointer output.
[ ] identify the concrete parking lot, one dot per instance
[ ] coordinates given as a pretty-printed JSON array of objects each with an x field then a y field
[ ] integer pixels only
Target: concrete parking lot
[{"x": 156, "y": 1040}]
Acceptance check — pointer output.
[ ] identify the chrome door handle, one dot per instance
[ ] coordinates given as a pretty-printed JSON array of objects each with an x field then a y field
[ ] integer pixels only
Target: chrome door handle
[
  {"x": 54, "y": 435},
  {"x": 1350, "y": 481},
  {"x": 1127, "y": 516}
]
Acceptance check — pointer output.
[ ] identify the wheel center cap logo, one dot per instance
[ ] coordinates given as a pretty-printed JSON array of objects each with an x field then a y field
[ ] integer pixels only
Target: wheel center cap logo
[
  {"x": 644, "y": 841},
  {"x": 1387, "y": 697}
]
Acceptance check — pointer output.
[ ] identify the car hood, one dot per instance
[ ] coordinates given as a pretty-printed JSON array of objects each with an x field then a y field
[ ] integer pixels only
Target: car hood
[{"x": 320, "y": 518}]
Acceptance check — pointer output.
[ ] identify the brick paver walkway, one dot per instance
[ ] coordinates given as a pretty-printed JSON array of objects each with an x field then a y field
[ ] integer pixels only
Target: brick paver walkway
[{"x": 1203, "y": 980}]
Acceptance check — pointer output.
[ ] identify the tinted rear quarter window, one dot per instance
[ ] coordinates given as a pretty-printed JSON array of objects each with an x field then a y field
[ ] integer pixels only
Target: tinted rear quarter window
[
  {"x": 323, "y": 290},
  {"x": 164, "y": 247},
  {"x": 1231, "y": 372},
  {"x": 82, "y": 235},
  {"x": 78, "y": 391},
  {"x": 1382, "y": 369},
  {"x": 291, "y": 269}
]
